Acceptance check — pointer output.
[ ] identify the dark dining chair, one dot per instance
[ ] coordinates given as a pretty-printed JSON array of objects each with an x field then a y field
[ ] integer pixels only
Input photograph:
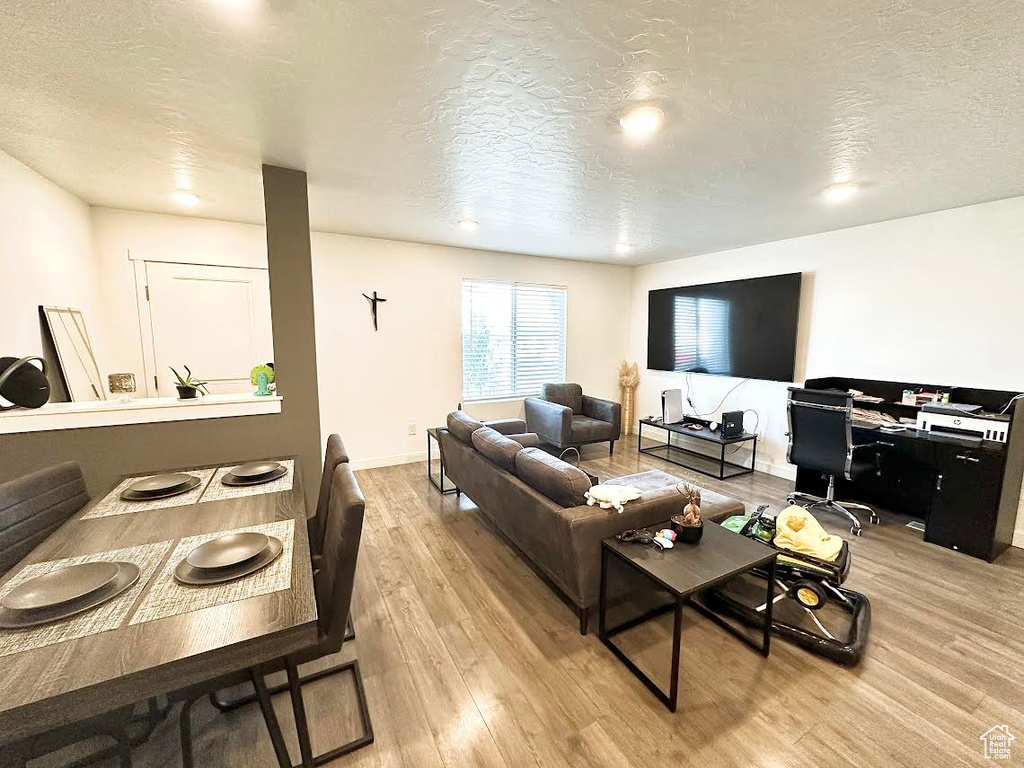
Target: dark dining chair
[
  {"x": 333, "y": 585},
  {"x": 317, "y": 524},
  {"x": 34, "y": 506}
]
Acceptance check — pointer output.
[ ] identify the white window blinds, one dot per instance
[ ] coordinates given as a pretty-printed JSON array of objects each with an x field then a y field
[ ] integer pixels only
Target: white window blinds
[{"x": 513, "y": 338}]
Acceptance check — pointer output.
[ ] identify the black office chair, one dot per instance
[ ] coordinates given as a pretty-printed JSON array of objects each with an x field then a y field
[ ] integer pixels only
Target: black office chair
[{"x": 821, "y": 439}]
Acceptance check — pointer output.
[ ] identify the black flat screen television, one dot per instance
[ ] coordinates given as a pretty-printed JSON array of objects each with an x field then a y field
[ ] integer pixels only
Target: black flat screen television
[{"x": 742, "y": 328}]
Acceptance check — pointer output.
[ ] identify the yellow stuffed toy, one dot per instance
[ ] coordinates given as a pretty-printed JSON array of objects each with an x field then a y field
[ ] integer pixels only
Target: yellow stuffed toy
[{"x": 797, "y": 529}]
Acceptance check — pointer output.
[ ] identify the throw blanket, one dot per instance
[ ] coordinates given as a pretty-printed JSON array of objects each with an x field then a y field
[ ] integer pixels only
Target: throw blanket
[{"x": 797, "y": 529}]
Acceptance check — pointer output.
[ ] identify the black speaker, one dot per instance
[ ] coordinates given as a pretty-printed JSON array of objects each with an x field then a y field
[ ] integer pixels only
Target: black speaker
[
  {"x": 22, "y": 383},
  {"x": 732, "y": 423}
]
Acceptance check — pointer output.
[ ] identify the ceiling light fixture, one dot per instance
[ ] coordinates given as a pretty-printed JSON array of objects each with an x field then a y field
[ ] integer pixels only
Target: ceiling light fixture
[
  {"x": 469, "y": 225},
  {"x": 642, "y": 122},
  {"x": 837, "y": 193},
  {"x": 186, "y": 198},
  {"x": 623, "y": 249}
]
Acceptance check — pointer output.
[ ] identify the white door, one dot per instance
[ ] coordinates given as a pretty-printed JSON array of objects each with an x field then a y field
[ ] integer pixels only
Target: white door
[{"x": 215, "y": 320}]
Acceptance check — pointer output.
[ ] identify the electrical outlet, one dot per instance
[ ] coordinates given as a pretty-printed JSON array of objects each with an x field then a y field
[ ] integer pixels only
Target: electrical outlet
[{"x": 412, "y": 429}]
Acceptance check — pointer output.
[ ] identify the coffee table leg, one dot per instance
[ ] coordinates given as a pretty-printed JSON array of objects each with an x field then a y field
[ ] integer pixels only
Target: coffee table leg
[
  {"x": 603, "y": 592},
  {"x": 767, "y": 639},
  {"x": 677, "y": 636}
]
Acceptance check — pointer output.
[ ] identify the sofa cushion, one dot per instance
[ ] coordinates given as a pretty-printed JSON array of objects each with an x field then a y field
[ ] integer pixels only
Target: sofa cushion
[
  {"x": 496, "y": 447},
  {"x": 569, "y": 395},
  {"x": 561, "y": 482},
  {"x": 586, "y": 429},
  {"x": 462, "y": 425},
  {"x": 526, "y": 439}
]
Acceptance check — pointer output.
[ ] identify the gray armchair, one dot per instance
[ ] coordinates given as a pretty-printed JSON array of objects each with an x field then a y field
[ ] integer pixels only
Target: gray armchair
[{"x": 563, "y": 416}]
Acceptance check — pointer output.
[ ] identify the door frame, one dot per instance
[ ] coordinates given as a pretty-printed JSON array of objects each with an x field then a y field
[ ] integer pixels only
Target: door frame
[{"x": 146, "y": 334}]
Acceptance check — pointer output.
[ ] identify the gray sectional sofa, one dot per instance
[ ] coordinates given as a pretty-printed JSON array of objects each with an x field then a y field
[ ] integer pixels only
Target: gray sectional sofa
[{"x": 537, "y": 502}]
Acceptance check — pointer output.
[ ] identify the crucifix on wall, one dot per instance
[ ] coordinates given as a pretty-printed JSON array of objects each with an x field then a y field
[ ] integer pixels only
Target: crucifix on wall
[{"x": 373, "y": 306}]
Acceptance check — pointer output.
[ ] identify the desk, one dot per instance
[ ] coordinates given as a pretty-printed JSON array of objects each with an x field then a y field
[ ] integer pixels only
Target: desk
[
  {"x": 676, "y": 453},
  {"x": 966, "y": 490}
]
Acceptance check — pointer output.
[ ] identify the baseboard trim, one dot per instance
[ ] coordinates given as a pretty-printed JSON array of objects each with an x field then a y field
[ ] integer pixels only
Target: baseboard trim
[
  {"x": 390, "y": 461},
  {"x": 1018, "y": 539}
]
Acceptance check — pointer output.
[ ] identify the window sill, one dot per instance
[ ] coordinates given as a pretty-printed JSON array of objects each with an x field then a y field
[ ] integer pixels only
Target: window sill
[{"x": 112, "y": 413}]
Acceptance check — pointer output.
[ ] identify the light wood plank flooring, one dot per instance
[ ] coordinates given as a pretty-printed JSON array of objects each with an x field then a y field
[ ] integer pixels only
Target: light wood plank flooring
[{"x": 470, "y": 660}]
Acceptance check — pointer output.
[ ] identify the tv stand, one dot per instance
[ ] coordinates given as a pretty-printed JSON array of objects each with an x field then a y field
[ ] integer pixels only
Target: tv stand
[{"x": 682, "y": 456}]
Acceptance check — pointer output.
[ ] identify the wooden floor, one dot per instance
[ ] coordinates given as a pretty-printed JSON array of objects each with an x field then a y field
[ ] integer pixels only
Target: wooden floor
[{"x": 471, "y": 660}]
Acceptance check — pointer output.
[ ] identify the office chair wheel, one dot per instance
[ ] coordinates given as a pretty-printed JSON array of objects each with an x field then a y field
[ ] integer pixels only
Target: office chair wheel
[
  {"x": 808, "y": 595},
  {"x": 855, "y": 530},
  {"x": 875, "y": 520}
]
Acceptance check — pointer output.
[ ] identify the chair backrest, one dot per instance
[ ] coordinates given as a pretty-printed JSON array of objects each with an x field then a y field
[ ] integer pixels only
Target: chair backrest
[
  {"x": 820, "y": 430},
  {"x": 34, "y": 506},
  {"x": 315, "y": 525},
  {"x": 334, "y": 581},
  {"x": 570, "y": 395}
]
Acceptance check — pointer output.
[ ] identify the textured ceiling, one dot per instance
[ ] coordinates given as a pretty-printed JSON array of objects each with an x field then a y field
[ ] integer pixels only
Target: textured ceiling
[{"x": 410, "y": 115}]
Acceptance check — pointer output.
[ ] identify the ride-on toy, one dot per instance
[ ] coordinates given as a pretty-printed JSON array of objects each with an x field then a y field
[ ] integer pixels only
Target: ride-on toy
[{"x": 813, "y": 609}]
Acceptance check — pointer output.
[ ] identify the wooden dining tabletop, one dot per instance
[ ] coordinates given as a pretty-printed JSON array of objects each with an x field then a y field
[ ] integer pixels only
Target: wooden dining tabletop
[{"x": 67, "y": 681}]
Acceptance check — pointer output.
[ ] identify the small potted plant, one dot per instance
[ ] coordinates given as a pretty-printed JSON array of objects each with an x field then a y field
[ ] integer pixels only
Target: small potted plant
[
  {"x": 688, "y": 526},
  {"x": 189, "y": 386}
]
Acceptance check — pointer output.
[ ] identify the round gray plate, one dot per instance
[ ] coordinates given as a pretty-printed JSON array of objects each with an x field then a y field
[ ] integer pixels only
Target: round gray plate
[
  {"x": 225, "y": 551},
  {"x": 128, "y": 574},
  {"x": 57, "y": 587},
  {"x": 255, "y": 469},
  {"x": 230, "y": 479},
  {"x": 158, "y": 484},
  {"x": 129, "y": 495},
  {"x": 201, "y": 577}
]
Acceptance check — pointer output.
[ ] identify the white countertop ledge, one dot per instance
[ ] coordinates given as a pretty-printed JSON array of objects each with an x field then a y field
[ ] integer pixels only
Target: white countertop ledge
[{"x": 147, "y": 410}]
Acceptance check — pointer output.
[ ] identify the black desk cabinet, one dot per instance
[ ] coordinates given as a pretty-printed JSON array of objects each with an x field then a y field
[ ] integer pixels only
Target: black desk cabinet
[
  {"x": 966, "y": 501},
  {"x": 966, "y": 491}
]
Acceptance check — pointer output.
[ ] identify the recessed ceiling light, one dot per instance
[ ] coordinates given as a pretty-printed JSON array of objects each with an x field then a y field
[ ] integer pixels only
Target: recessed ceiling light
[
  {"x": 469, "y": 225},
  {"x": 186, "y": 198},
  {"x": 642, "y": 122},
  {"x": 840, "y": 192},
  {"x": 623, "y": 249}
]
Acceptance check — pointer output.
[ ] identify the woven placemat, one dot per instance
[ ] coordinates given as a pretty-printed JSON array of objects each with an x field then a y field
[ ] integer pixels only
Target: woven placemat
[
  {"x": 217, "y": 491},
  {"x": 169, "y": 598},
  {"x": 112, "y": 504},
  {"x": 104, "y": 617}
]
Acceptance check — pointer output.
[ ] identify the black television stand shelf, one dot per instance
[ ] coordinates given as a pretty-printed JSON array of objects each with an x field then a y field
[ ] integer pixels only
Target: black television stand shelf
[{"x": 678, "y": 455}]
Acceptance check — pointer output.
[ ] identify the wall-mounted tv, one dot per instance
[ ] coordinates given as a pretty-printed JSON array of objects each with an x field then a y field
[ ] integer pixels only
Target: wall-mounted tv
[{"x": 741, "y": 328}]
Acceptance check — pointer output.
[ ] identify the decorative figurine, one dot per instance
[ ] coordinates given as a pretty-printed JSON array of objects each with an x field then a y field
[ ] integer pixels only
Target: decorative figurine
[
  {"x": 261, "y": 376},
  {"x": 629, "y": 378}
]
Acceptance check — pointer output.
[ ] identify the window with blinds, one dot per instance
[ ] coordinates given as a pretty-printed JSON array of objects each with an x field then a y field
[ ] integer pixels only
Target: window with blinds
[{"x": 513, "y": 338}]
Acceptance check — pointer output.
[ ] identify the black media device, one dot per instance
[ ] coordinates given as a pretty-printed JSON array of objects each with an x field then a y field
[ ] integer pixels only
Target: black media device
[
  {"x": 732, "y": 423},
  {"x": 741, "y": 328}
]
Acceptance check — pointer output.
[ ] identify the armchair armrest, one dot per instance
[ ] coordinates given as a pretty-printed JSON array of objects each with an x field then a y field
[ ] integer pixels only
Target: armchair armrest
[
  {"x": 551, "y": 421},
  {"x": 603, "y": 410}
]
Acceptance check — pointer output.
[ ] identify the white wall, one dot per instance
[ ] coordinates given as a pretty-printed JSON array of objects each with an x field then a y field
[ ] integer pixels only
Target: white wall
[
  {"x": 124, "y": 238},
  {"x": 373, "y": 385},
  {"x": 46, "y": 257},
  {"x": 933, "y": 298}
]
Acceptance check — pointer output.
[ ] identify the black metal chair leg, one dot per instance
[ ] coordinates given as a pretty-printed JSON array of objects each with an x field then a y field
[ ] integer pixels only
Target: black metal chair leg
[
  {"x": 299, "y": 709},
  {"x": 185, "y": 731},
  {"x": 364, "y": 715},
  {"x": 227, "y": 705},
  {"x": 124, "y": 747},
  {"x": 270, "y": 717}
]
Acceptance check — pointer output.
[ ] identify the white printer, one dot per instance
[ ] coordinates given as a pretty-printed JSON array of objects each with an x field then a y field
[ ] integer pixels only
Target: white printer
[{"x": 959, "y": 420}]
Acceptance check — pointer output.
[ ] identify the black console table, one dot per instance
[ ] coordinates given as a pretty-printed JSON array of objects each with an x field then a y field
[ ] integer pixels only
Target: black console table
[{"x": 677, "y": 454}]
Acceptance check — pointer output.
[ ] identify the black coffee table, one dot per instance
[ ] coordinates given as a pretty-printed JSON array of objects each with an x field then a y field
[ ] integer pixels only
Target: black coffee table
[{"x": 684, "y": 571}]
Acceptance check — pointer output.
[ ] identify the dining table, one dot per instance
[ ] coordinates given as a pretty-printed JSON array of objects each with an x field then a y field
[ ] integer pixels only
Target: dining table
[{"x": 159, "y": 645}]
